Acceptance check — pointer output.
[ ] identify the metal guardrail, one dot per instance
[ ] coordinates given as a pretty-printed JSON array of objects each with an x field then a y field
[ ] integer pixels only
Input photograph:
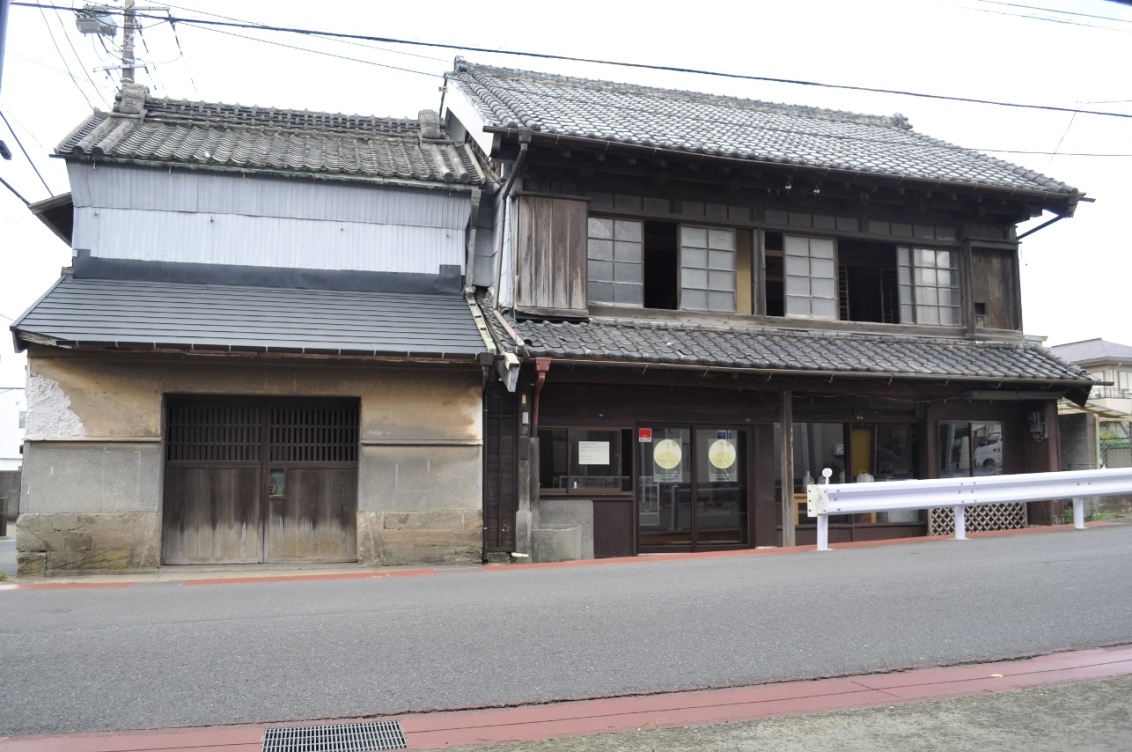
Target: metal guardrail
[{"x": 959, "y": 493}]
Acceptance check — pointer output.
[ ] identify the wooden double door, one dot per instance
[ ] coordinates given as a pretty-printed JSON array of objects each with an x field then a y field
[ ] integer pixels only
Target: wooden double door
[{"x": 252, "y": 480}]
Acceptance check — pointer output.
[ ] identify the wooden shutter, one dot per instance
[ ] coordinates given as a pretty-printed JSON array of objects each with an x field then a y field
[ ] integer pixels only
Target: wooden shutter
[{"x": 551, "y": 255}]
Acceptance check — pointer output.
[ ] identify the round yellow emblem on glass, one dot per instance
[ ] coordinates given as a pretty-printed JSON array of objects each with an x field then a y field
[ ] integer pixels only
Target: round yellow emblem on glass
[
  {"x": 721, "y": 454},
  {"x": 667, "y": 454}
]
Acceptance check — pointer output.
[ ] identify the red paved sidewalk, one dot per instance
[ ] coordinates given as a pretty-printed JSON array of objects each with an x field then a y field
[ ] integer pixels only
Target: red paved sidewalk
[{"x": 450, "y": 729}]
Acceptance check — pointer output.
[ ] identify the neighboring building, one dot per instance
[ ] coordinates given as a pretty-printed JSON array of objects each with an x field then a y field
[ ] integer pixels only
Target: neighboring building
[
  {"x": 687, "y": 283},
  {"x": 13, "y": 415},
  {"x": 264, "y": 351},
  {"x": 1106, "y": 362},
  {"x": 1099, "y": 434}
]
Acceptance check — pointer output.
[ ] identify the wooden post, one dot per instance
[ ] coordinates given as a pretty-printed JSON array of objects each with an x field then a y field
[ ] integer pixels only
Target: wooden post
[{"x": 786, "y": 420}]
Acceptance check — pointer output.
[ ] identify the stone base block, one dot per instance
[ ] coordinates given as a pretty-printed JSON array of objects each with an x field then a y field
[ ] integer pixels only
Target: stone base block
[
  {"x": 557, "y": 543},
  {"x": 567, "y": 512},
  {"x": 523, "y": 522},
  {"x": 106, "y": 543},
  {"x": 422, "y": 537}
]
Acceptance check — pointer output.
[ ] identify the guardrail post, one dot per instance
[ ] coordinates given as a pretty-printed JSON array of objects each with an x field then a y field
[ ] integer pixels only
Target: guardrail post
[
  {"x": 1079, "y": 513},
  {"x": 960, "y": 523},
  {"x": 823, "y": 532}
]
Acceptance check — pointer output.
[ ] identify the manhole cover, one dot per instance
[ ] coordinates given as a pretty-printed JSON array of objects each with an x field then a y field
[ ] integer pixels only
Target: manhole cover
[{"x": 344, "y": 737}]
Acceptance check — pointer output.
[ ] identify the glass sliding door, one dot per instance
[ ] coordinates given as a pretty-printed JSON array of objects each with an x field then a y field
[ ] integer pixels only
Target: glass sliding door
[
  {"x": 666, "y": 488},
  {"x": 692, "y": 489},
  {"x": 721, "y": 487}
]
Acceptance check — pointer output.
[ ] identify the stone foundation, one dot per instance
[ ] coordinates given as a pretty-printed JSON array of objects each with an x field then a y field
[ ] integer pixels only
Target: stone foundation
[
  {"x": 426, "y": 537},
  {"x": 105, "y": 543}
]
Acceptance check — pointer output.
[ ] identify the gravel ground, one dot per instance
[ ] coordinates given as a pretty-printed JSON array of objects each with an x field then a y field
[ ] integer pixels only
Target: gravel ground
[{"x": 1087, "y": 717}]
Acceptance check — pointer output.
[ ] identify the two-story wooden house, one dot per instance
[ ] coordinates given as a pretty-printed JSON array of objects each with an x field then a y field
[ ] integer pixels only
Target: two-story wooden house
[
  {"x": 264, "y": 350},
  {"x": 709, "y": 300}
]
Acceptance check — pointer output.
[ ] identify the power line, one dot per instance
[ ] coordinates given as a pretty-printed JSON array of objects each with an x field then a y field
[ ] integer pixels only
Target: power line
[
  {"x": 344, "y": 41},
  {"x": 1059, "y": 12},
  {"x": 77, "y": 56},
  {"x": 1063, "y": 21},
  {"x": 64, "y": 59},
  {"x": 188, "y": 70},
  {"x": 319, "y": 52},
  {"x": 640, "y": 66},
  {"x": 8, "y": 185},
  {"x": 25, "y": 151}
]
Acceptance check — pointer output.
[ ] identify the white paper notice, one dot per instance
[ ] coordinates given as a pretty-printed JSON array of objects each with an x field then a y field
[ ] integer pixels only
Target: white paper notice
[{"x": 593, "y": 452}]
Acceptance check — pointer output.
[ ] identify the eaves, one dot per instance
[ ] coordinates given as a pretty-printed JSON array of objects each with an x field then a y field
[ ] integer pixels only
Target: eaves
[{"x": 1065, "y": 202}]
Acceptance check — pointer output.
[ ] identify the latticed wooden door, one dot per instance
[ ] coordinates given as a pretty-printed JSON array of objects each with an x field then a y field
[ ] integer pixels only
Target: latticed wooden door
[
  {"x": 252, "y": 480},
  {"x": 500, "y": 439}
]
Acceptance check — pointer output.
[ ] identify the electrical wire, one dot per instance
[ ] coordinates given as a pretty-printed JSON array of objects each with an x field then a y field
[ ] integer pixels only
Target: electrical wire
[
  {"x": 27, "y": 131},
  {"x": 319, "y": 52},
  {"x": 145, "y": 64},
  {"x": 71, "y": 44},
  {"x": 26, "y": 155},
  {"x": 937, "y": 146},
  {"x": 1063, "y": 21},
  {"x": 65, "y": 64},
  {"x": 1054, "y": 10},
  {"x": 8, "y": 185},
  {"x": 625, "y": 64},
  {"x": 188, "y": 70},
  {"x": 343, "y": 41}
]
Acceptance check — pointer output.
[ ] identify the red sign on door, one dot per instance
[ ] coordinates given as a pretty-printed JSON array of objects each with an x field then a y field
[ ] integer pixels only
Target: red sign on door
[{"x": 644, "y": 435}]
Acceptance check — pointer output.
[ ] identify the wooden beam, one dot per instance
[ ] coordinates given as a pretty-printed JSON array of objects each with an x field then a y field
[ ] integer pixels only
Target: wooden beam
[{"x": 786, "y": 421}]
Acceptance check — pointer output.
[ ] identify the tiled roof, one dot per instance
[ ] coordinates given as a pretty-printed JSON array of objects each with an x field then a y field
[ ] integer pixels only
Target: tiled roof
[
  {"x": 730, "y": 127},
  {"x": 769, "y": 349},
  {"x": 116, "y": 313},
  {"x": 1092, "y": 350},
  {"x": 202, "y": 133}
]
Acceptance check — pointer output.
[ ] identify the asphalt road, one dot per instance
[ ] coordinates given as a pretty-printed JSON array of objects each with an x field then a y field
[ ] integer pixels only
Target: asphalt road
[{"x": 166, "y": 655}]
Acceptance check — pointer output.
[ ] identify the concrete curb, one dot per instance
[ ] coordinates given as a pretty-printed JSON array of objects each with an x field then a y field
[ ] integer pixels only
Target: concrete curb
[{"x": 616, "y": 715}]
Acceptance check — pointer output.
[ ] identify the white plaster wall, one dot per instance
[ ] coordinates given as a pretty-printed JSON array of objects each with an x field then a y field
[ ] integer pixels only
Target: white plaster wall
[{"x": 49, "y": 411}]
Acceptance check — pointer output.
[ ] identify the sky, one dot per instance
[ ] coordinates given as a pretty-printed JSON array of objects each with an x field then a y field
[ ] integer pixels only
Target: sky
[{"x": 1051, "y": 52}]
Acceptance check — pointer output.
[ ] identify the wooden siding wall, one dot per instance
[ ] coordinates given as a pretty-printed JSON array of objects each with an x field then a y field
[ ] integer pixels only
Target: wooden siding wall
[
  {"x": 994, "y": 281},
  {"x": 551, "y": 251}
]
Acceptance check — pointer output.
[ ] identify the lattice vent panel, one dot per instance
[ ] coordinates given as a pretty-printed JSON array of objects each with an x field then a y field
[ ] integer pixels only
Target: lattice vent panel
[{"x": 979, "y": 518}]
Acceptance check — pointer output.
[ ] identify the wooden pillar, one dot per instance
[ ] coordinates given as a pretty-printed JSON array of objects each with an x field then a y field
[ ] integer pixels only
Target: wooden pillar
[{"x": 786, "y": 420}]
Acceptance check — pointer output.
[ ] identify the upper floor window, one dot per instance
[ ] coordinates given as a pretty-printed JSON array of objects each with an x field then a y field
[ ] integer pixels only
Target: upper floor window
[
  {"x": 821, "y": 278},
  {"x": 660, "y": 265},
  {"x": 668, "y": 265},
  {"x": 615, "y": 257},
  {"x": 810, "y": 277},
  {"x": 929, "y": 286}
]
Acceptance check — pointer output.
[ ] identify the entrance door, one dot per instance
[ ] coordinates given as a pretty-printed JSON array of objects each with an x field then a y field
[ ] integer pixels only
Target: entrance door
[
  {"x": 692, "y": 489},
  {"x": 251, "y": 481}
]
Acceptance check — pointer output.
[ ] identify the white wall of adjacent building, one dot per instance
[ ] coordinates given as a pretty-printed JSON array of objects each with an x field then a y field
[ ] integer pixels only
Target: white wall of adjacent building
[{"x": 13, "y": 415}]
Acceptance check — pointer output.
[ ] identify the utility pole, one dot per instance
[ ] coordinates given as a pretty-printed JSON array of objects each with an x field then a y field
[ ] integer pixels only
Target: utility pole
[{"x": 128, "y": 43}]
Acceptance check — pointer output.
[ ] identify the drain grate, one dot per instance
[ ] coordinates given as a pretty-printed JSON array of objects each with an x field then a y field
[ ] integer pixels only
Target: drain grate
[{"x": 344, "y": 737}]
